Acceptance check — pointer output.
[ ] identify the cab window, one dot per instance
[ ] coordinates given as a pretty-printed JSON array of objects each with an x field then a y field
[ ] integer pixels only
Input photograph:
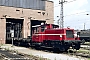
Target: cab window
[
  {"x": 43, "y": 28},
  {"x": 35, "y": 30},
  {"x": 55, "y": 26}
]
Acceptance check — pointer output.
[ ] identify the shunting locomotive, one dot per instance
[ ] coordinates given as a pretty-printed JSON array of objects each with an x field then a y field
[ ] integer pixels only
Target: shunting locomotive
[{"x": 50, "y": 35}]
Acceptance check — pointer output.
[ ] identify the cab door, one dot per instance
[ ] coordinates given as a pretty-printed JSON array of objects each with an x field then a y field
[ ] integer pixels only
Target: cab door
[
  {"x": 35, "y": 34},
  {"x": 42, "y": 33}
]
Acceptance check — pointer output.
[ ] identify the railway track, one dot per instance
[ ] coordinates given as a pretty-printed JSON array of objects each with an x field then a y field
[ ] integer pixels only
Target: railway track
[
  {"x": 86, "y": 43},
  {"x": 86, "y": 48},
  {"x": 70, "y": 52},
  {"x": 84, "y": 51},
  {"x": 10, "y": 55},
  {"x": 13, "y": 55},
  {"x": 79, "y": 53}
]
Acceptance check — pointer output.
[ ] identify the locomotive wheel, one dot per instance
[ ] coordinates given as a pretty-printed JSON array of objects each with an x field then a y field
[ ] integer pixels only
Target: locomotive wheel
[
  {"x": 66, "y": 50},
  {"x": 77, "y": 46},
  {"x": 56, "y": 50}
]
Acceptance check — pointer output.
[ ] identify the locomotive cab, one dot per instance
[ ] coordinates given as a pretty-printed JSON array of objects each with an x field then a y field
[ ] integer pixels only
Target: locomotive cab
[
  {"x": 41, "y": 28},
  {"x": 50, "y": 35}
]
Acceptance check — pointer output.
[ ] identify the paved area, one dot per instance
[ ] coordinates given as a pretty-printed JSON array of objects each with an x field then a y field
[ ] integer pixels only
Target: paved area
[{"x": 51, "y": 56}]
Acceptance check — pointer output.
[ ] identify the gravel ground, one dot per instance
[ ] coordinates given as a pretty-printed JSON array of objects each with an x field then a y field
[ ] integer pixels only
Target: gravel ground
[
  {"x": 51, "y": 56},
  {"x": 1, "y": 57}
]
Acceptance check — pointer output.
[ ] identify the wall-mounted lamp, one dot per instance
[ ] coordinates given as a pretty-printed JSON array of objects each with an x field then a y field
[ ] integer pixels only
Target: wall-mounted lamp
[
  {"x": 29, "y": 17},
  {"x": 4, "y": 15},
  {"x": 1, "y": 18},
  {"x": 21, "y": 17},
  {"x": 47, "y": 19},
  {"x": 17, "y": 10},
  {"x": 43, "y": 13}
]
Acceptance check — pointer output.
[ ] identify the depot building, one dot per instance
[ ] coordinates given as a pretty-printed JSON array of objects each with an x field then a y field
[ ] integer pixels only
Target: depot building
[{"x": 20, "y": 15}]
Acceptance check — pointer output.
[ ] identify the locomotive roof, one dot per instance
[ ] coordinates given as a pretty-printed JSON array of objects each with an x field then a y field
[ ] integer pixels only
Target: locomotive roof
[
  {"x": 50, "y": 24},
  {"x": 44, "y": 24},
  {"x": 36, "y": 26}
]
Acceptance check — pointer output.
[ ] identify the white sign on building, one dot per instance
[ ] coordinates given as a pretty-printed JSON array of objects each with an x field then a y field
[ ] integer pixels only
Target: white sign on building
[{"x": 12, "y": 33}]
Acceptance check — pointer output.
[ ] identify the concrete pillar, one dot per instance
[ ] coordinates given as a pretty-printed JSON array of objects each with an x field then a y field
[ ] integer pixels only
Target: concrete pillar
[
  {"x": 2, "y": 31},
  {"x": 26, "y": 27}
]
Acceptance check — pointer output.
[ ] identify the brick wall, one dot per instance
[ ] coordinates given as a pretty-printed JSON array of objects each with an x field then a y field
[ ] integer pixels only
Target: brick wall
[{"x": 17, "y": 13}]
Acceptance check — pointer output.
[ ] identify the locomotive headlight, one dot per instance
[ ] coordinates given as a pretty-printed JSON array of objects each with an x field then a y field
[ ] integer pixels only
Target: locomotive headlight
[{"x": 60, "y": 35}]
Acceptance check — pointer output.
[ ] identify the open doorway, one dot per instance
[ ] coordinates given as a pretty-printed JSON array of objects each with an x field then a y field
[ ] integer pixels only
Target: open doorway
[
  {"x": 17, "y": 26},
  {"x": 36, "y": 22}
]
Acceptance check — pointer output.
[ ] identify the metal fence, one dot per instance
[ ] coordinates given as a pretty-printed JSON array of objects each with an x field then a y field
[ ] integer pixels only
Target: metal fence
[{"x": 33, "y": 4}]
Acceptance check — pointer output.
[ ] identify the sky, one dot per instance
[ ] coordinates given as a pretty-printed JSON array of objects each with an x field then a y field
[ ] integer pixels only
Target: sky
[{"x": 75, "y": 13}]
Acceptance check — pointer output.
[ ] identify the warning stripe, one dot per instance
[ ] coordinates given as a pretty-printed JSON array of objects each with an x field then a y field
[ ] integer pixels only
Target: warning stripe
[{"x": 49, "y": 34}]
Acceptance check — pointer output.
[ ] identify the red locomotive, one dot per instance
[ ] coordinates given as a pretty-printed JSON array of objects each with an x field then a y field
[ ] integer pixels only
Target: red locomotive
[{"x": 50, "y": 35}]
